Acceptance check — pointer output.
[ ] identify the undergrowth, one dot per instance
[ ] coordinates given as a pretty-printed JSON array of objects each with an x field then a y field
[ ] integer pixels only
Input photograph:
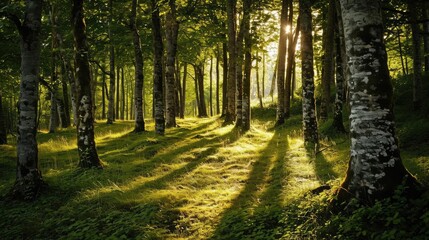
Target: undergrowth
[{"x": 205, "y": 181}]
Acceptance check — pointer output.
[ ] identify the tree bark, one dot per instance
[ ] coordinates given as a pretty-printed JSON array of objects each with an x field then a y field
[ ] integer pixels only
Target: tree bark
[
  {"x": 103, "y": 97},
  {"x": 54, "y": 117},
  {"x": 417, "y": 63},
  {"x": 247, "y": 5},
  {"x": 171, "y": 33},
  {"x": 3, "y": 132},
  {"x": 232, "y": 63},
  {"x": 139, "y": 125},
  {"x": 281, "y": 58},
  {"x": 117, "y": 98},
  {"x": 183, "y": 102},
  {"x": 199, "y": 81},
  {"x": 327, "y": 63},
  {"x": 239, "y": 76},
  {"x": 225, "y": 79},
  {"x": 217, "y": 81},
  {"x": 308, "y": 104},
  {"x": 293, "y": 39},
  {"x": 426, "y": 35},
  {"x": 88, "y": 156},
  {"x": 375, "y": 168},
  {"x": 111, "y": 104},
  {"x": 258, "y": 87},
  {"x": 211, "y": 87},
  {"x": 29, "y": 180},
  {"x": 157, "y": 71}
]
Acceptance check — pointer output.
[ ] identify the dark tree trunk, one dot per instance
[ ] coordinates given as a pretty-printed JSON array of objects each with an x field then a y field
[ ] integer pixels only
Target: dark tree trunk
[
  {"x": 183, "y": 102},
  {"x": 217, "y": 81},
  {"x": 401, "y": 54},
  {"x": 54, "y": 119},
  {"x": 375, "y": 168},
  {"x": 239, "y": 77},
  {"x": 225, "y": 79},
  {"x": 308, "y": 105},
  {"x": 122, "y": 94},
  {"x": 178, "y": 88},
  {"x": 293, "y": 39},
  {"x": 66, "y": 105},
  {"x": 211, "y": 87},
  {"x": 88, "y": 156},
  {"x": 426, "y": 34},
  {"x": 417, "y": 63},
  {"x": 3, "y": 132},
  {"x": 258, "y": 87},
  {"x": 247, "y": 64},
  {"x": 117, "y": 98},
  {"x": 273, "y": 80},
  {"x": 328, "y": 62},
  {"x": 158, "y": 49},
  {"x": 199, "y": 78},
  {"x": 171, "y": 33},
  {"x": 341, "y": 67},
  {"x": 111, "y": 104},
  {"x": 103, "y": 97},
  {"x": 232, "y": 63},
  {"x": 281, "y": 58}
]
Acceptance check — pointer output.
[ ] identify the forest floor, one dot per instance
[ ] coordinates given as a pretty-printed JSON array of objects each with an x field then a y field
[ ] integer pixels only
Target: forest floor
[{"x": 199, "y": 181}]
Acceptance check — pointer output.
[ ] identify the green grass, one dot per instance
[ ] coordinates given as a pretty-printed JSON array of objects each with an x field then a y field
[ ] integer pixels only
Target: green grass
[{"x": 199, "y": 181}]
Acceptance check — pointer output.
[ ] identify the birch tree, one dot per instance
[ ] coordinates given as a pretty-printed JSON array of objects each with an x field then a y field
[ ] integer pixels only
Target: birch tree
[
  {"x": 375, "y": 167},
  {"x": 88, "y": 156},
  {"x": 308, "y": 105}
]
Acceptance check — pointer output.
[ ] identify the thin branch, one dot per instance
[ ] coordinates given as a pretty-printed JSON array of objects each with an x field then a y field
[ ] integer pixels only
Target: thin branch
[{"x": 100, "y": 67}]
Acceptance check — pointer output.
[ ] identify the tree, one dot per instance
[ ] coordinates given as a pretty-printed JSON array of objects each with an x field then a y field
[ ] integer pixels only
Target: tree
[
  {"x": 232, "y": 62},
  {"x": 375, "y": 168},
  {"x": 29, "y": 180},
  {"x": 417, "y": 62},
  {"x": 88, "y": 156},
  {"x": 247, "y": 5},
  {"x": 171, "y": 33},
  {"x": 3, "y": 132},
  {"x": 157, "y": 70},
  {"x": 281, "y": 58},
  {"x": 308, "y": 105},
  {"x": 111, "y": 102},
  {"x": 138, "y": 70}
]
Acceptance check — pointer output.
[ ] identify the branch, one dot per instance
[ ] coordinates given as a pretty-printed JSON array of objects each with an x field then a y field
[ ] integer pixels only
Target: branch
[
  {"x": 46, "y": 84},
  {"x": 100, "y": 67}
]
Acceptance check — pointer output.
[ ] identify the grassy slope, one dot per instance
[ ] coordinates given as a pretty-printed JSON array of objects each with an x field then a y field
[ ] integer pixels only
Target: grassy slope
[{"x": 200, "y": 181}]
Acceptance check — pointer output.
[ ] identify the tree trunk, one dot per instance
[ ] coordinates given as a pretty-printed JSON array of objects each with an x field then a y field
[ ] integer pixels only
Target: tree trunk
[
  {"x": 264, "y": 67},
  {"x": 247, "y": 4},
  {"x": 211, "y": 87},
  {"x": 232, "y": 64},
  {"x": 308, "y": 105},
  {"x": 375, "y": 168},
  {"x": 29, "y": 180},
  {"x": 88, "y": 156},
  {"x": 341, "y": 67},
  {"x": 417, "y": 63},
  {"x": 401, "y": 54},
  {"x": 157, "y": 71},
  {"x": 111, "y": 104},
  {"x": 171, "y": 33},
  {"x": 94, "y": 80},
  {"x": 199, "y": 88},
  {"x": 183, "y": 102},
  {"x": 54, "y": 117},
  {"x": 258, "y": 87},
  {"x": 217, "y": 81},
  {"x": 122, "y": 94},
  {"x": 273, "y": 80},
  {"x": 293, "y": 39},
  {"x": 281, "y": 57},
  {"x": 178, "y": 88},
  {"x": 239, "y": 77},
  {"x": 426, "y": 35},
  {"x": 327, "y": 63},
  {"x": 117, "y": 98},
  {"x": 3, "y": 132},
  {"x": 65, "y": 101},
  {"x": 139, "y": 125},
  {"x": 225, "y": 79},
  {"x": 103, "y": 97}
]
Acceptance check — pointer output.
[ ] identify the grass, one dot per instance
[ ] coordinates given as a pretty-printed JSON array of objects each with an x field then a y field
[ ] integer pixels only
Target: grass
[{"x": 199, "y": 181}]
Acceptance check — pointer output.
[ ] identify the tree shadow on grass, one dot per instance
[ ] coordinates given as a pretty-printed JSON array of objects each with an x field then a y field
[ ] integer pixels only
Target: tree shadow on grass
[
  {"x": 322, "y": 167},
  {"x": 251, "y": 211}
]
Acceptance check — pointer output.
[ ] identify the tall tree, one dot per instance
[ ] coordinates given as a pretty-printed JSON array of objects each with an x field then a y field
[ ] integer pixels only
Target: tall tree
[
  {"x": 158, "y": 49},
  {"x": 29, "y": 180},
  {"x": 281, "y": 58},
  {"x": 3, "y": 132},
  {"x": 139, "y": 125},
  {"x": 232, "y": 62},
  {"x": 375, "y": 167},
  {"x": 217, "y": 80},
  {"x": 425, "y": 10},
  {"x": 327, "y": 62},
  {"x": 88, "y": 156},
  {"x": 308, "y": 105},
  {"x": 239, "y": 76},
  {"x": 293, "y": 39},
  {"x": 111, "y": 104},
  {"x": 417, "y": 62},
  {"x": 199, "y": 89},
  {"x": 247, "y": 6},
  {"x": 171, "y": 33}
]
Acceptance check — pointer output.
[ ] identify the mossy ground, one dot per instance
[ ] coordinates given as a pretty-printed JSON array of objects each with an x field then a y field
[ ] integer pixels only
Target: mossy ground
[{"x": 199, "y": 181}]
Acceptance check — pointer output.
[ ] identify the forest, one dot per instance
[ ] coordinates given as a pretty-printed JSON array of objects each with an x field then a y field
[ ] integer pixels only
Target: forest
[{"x": 214, "y": 119}]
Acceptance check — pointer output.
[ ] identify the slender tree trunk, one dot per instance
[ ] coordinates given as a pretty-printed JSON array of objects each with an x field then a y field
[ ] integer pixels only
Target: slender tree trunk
[
  {"x": 29, "y": 180},
  {"x": 426, "y": 34},
  {"x": 232, "y": 64},
  {"x": 139, "y": 125},
  {"x": 225, "y": 79},
  {"x": 122, "y": 94},
  {"x": 54, "y": 117},
  {"x": 341, "y": 65},
  {"x": 65, "y": 102},
  {"x": 293, "y": 39},
  {"x": 375, "y": 167},
  {"x": 117, "y": 98},
  {"x": 239, "y": 77},
  {"x": 3, "y": 132},
  {"x": 197, "y": 93},
  {"x": 103, "y": 97},
  {"x": 183, "y": 102},
  {"x": 264, "y": 69},
  {"x": 111, "y": 104},
  {"x": 171, "y": 33},
  {"x": 258, "y": 87},
  {"x": 178, "y": 88},
  {"x": 157, "y": 71},
  {"x": 417, "y": 64},
  {"x": 217, "y": 80},
  {"x": 327, "y": 64},
  {"x": 94, "y": 80},
  {"x": 281, "y": 57},
  {"x": 199, "y": 76},
  {"x": 247, "y": 4},
  {"x": 211, "y": 87},
  {"x": 73, "y": 91},
  {"x": 401, "y": 54},
  {"x": 273, "y": 80},
  {"x": 88, "y": 156},
  {"x": 308, "y": 106}
]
